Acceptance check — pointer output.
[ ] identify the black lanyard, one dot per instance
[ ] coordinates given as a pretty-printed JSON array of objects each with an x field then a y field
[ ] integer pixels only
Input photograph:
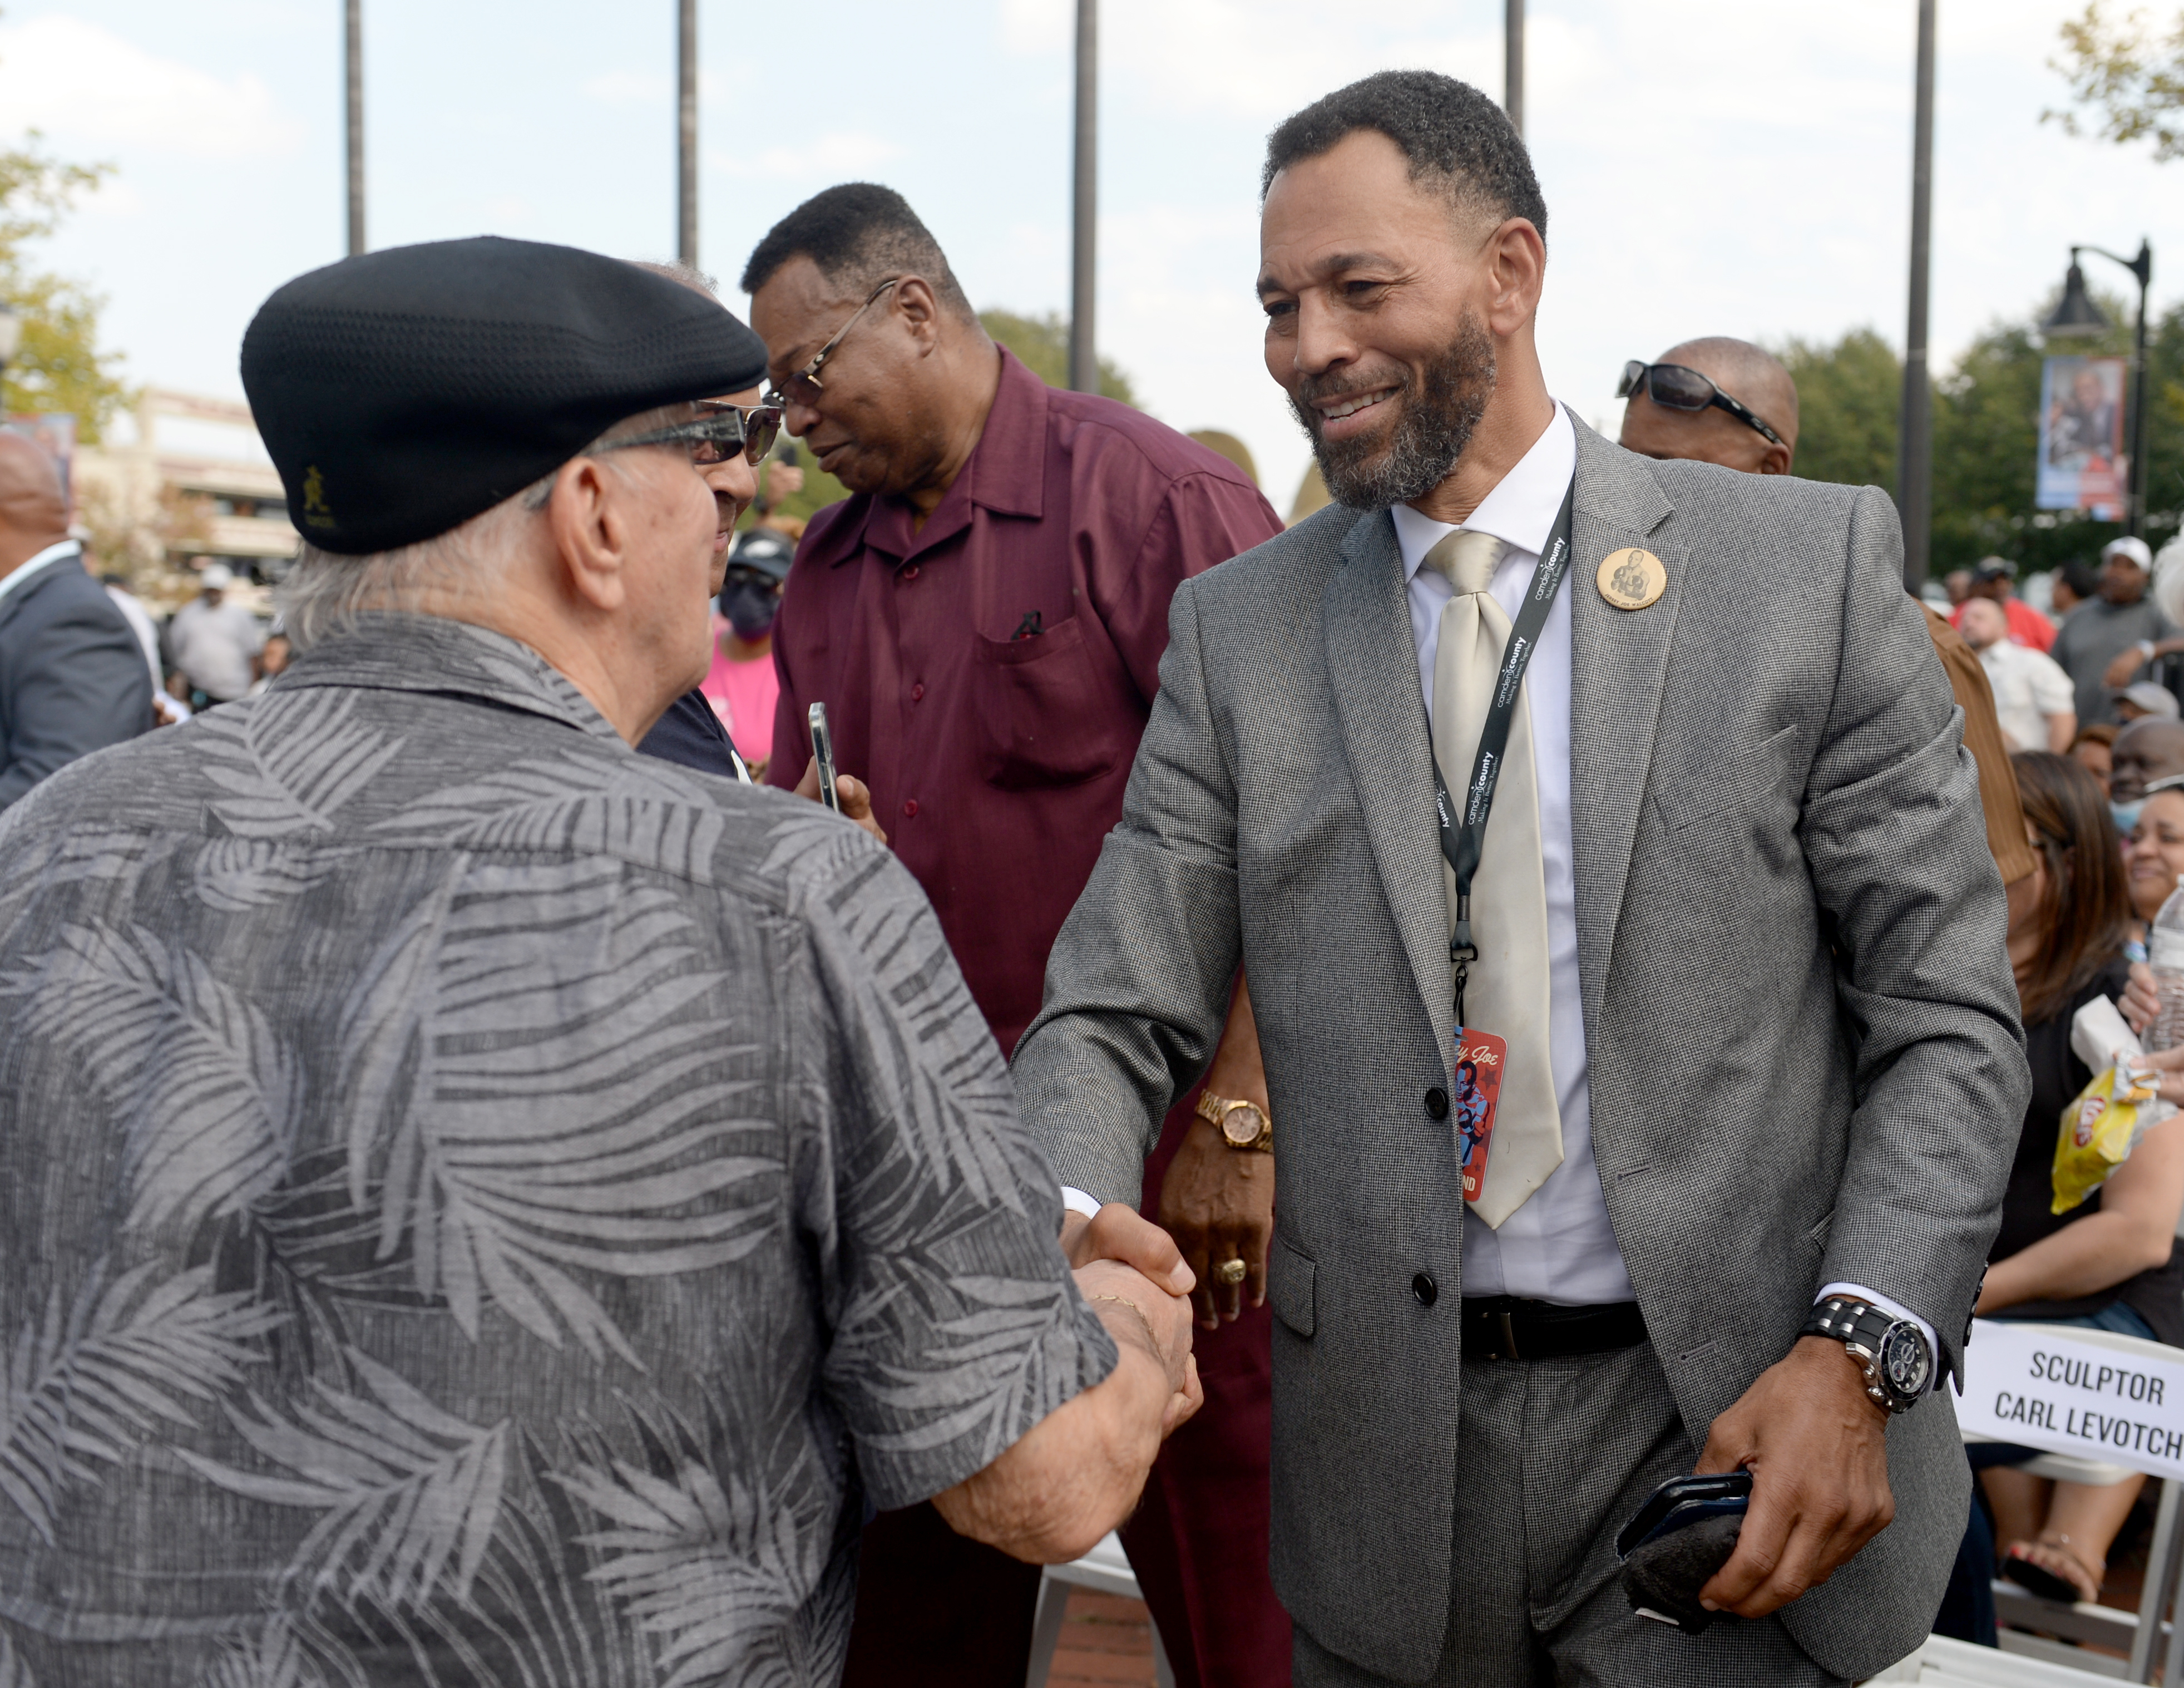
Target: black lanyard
[{"x": 1462, "y": 845}]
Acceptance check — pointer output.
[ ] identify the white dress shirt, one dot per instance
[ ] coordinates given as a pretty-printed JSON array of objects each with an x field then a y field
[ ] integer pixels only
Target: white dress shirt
[{"x": 1559, "y": 1245}]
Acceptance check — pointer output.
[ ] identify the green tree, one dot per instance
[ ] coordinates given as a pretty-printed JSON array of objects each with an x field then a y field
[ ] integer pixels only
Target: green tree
[
  {"x": 2129, "y": 74},
  {"x": 58, "y": 366},
  {"x": 1847, "y": 398},
  {"x": 1042, "y": 342}
]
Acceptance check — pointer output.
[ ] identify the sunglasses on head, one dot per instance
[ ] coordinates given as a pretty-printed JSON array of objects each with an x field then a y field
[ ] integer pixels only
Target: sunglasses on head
[
  {"x": 1675, "y": 387},
  {"x": 717, "y": 435}
]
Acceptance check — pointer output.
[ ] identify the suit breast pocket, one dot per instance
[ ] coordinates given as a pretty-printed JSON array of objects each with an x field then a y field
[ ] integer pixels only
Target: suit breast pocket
[
  {"x": 1045, "y": 718},
  {"x": 1742, "y": 780}
]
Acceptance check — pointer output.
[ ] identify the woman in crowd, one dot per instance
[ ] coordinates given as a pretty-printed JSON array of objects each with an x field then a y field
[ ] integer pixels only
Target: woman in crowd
[
  {"x": 2111, "y": 1263},
  {"x": 2093, "y": 750},
  {"x": 2155, "y": 855}
]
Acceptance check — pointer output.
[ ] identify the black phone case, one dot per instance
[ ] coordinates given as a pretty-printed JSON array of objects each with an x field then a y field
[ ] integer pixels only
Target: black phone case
[{"x": 1678, "y": 1491}]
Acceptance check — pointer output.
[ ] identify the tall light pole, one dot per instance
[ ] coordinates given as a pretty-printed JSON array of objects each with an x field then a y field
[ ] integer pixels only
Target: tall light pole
[
  {"x": 1914, "y": 439},
  {"x": 685, "y": 151},
  {"x": 1512, "y": 63},
  {"x": 352, "y": 66},
  {"x": 1084, "y": 356}
]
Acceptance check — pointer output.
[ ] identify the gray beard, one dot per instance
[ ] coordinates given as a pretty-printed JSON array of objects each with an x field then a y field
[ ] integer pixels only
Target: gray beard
[{"x": 1439, "y": 413}]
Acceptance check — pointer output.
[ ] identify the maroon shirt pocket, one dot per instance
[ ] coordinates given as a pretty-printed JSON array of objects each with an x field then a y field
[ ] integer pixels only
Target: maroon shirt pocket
[{"x": 1038, "y": 703}]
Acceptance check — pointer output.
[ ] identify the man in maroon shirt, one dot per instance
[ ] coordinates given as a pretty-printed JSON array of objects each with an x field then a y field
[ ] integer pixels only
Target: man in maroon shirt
[{"x": 985, "y": 621}]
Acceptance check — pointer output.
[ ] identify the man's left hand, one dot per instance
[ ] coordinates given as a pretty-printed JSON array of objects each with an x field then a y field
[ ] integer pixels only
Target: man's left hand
[
  {"x": 1816, "y": 1446},
  {"x": 1218, "y": 1205},
  {"x": 855, "y": 797}
]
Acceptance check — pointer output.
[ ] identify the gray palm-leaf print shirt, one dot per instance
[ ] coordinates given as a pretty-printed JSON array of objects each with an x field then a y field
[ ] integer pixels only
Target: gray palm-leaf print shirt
[{"x": 478, "y": 1206}]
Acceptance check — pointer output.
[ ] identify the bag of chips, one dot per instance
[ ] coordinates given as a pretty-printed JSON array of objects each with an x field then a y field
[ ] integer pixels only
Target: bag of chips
[{"x": 2101, "y": 1128}]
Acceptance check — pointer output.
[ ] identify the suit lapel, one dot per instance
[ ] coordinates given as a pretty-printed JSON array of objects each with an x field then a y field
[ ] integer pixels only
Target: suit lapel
[
  {"x": 12, "y": 602},
  {"x": 1373, "y": 662},
  {"x": 1619, "y": 663}
]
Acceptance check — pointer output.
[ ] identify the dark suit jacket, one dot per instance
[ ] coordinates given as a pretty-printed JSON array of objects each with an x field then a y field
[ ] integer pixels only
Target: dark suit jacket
[
  {"x": 72, "y": 675},
  {"x": 1801, "y": 1026}
]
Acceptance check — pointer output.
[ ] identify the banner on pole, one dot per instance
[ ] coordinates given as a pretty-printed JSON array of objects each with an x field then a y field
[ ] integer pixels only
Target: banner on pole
[
  {"x": 2083, "y": 464},
  {"x": 2071, "y": 1390}
]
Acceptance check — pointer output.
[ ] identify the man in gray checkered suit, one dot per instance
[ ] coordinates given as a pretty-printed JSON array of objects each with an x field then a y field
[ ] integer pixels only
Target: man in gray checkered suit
[{"x": 1726, "y": 929}]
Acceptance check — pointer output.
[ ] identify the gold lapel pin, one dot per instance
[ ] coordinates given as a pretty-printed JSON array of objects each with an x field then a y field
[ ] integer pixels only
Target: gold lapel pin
[{"x": 1631, "y": 579}]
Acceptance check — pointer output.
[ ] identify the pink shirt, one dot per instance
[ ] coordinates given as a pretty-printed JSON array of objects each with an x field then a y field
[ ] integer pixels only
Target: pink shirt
[{"x": 742, "y": 694}]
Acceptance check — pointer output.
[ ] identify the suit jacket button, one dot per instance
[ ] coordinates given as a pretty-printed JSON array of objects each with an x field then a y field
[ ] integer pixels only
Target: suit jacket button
[
  {"x": 1436, "y": 1103},
  {"x": 1425, "y": 1290}
]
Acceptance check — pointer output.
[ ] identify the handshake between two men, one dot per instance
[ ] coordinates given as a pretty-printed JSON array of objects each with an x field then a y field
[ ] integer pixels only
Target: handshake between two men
[{"x": 1077, "y": 1473}]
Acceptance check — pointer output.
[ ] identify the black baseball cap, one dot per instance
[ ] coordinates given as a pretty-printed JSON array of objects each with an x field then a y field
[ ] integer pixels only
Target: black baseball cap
[
  {"x": 404, "y": 392},
  {"x": 763, "y": 551}
]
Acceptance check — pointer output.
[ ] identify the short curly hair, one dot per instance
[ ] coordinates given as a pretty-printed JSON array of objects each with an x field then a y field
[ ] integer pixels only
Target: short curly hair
[
  {"x": 859, "y": 234},
  {"x": 1457, "y": 139}
]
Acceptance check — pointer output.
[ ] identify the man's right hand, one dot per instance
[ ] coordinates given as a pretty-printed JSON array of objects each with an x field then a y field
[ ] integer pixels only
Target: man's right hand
[
  {"x": 1121, "y": 1233},
  {"x": 1077, "y": 1473},
  {"x": 856, "y": 797},
  {"x": 1136, "y": 1310}
]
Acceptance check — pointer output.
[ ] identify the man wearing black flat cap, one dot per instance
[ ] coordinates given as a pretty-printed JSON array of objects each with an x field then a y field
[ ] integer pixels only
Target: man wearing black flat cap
[{"x": 484, "y": 1207}]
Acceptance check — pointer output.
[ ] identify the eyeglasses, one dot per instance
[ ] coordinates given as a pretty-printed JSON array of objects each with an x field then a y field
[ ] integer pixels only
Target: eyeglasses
[
  {"x": 717, "y": 436},
  {"x": 808, "y": 377},
  {"x": 1677, "y": 388}
]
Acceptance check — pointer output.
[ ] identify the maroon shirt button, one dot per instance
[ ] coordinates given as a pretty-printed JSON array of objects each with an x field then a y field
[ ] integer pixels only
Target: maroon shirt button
[
  {"x": 911, "y": 573},
  {"x": 917, "y": 692},
  {"x": 910, "y": 809}
]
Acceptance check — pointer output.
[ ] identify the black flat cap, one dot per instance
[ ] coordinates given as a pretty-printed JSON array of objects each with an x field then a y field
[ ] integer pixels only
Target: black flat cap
[{"x": 405, "y": 392}]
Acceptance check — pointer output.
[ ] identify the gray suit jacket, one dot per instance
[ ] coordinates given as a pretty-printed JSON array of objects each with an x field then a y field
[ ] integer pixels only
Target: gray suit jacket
[
  {"x": 1802, "y": 1027},
  {"x": 72, "y": 675}
]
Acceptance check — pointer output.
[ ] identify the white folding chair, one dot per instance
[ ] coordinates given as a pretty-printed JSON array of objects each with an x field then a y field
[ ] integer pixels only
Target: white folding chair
[
  {"x": 1105, "y": 1570},
  {"x": 2139, "y": 1633}
]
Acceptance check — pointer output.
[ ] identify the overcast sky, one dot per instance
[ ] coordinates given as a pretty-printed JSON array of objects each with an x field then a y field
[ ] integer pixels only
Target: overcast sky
[{"x": 1709, "y": 166}]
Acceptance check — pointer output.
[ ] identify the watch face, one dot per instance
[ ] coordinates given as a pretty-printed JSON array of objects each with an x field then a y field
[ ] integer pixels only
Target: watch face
[
  {"x": 1904, "y": 1361},
  {"x": 1243, "y": 1125}
]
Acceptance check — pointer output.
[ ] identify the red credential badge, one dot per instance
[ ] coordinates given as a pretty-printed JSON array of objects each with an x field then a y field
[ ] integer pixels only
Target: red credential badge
[{"x": 1481, "y": 1058}]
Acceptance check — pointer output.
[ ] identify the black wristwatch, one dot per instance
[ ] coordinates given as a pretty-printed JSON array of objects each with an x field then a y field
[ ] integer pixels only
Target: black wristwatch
[{"x": 1898, "y": 1359}]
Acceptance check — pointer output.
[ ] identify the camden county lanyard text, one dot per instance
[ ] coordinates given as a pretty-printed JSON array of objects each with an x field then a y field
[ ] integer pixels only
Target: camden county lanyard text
[{"x": 1462, "y": 845}]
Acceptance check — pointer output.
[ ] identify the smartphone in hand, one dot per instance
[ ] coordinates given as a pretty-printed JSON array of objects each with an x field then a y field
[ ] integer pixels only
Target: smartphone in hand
[{"x": 822, "y": 753}]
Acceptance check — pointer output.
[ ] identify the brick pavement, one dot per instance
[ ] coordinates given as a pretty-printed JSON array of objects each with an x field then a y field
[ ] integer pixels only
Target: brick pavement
[{"x": 1106, "y": 1642}]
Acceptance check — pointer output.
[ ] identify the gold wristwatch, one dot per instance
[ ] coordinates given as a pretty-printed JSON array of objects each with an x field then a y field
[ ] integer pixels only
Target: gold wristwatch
[{"x": 1242, "y": 1125}]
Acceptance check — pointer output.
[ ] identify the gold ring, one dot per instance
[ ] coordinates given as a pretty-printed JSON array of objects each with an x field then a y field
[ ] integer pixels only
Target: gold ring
[{"x": 1230, "y": 1271}]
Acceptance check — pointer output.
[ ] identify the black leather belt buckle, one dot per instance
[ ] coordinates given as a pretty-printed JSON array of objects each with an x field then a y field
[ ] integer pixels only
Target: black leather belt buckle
[{"x": 1511, "y": 1327}]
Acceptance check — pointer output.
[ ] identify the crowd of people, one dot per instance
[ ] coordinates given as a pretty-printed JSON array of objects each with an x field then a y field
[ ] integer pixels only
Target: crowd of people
[{"x": 516, "y": 1176}]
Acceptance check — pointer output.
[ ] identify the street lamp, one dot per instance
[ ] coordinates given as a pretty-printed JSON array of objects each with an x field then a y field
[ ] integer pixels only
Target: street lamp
[{"x": 2077, "y": 314}]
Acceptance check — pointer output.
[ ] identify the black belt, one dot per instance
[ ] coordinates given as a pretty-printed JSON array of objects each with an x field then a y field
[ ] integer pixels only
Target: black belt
[{"x": 1511, "y": 1327}]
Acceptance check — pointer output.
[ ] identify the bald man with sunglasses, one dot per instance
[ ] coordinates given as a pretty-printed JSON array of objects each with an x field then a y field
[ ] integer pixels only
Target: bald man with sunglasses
[
  {"x": 1720, "y": 400},
  {"x": 1716, "y": 400}
]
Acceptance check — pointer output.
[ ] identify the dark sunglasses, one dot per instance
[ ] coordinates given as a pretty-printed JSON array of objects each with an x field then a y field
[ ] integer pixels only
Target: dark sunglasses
[
  {"x": 1675, "y": 387},
  {"x": 717, "y": 436}
]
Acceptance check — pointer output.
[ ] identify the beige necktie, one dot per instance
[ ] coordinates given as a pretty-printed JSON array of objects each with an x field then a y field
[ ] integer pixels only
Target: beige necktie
[{"x": 1506, "y": 993}]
